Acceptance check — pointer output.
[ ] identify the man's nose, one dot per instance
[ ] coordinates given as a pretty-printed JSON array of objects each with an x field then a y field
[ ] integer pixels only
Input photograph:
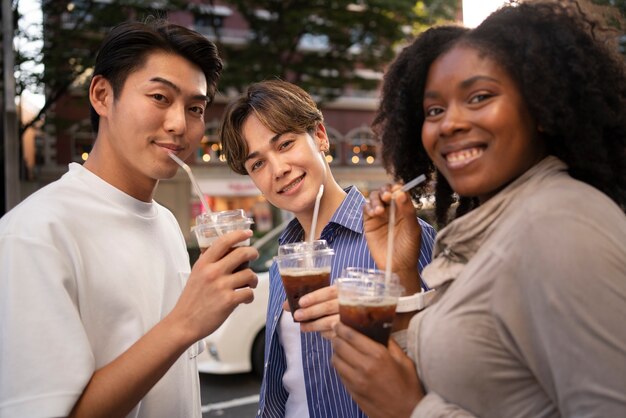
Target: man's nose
[
  {"x": 280, "y": 166},
  {"x": 176, "y": 122}
]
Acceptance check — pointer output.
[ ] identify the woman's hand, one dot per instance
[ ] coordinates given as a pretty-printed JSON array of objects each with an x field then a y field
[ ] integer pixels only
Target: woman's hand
[
  {"x": 383, "y": 381},
  {"x": 407, "y": 234}
]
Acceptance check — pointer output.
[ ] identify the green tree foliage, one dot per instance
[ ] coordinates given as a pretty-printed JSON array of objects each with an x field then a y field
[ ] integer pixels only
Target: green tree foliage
[
  {"x": 321, "y": 45},
  {"x": 346, "y": 35},
  {"x": 68, "y": 40}
]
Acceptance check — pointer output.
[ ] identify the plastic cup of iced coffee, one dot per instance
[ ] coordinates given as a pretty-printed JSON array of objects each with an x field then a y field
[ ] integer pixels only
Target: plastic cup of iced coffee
[
  {"x": 367, "y": 302},
  {"x": 303, "y": 267},
  {"x": 211, "y": 225}
]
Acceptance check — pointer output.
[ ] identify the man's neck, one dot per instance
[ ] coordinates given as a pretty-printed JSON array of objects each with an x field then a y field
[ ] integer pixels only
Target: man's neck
[{"x": 110, "y": 171}]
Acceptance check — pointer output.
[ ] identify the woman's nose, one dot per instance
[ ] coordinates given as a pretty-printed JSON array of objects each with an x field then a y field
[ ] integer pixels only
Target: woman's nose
[{"x": 453, "y": 121}]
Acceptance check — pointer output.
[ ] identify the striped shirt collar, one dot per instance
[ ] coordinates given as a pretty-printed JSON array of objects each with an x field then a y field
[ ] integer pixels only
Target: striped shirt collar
[{"x": 349, "y": 214}]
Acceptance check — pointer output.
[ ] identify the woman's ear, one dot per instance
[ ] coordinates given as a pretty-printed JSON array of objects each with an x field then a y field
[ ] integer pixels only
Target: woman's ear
[{"x": 100, "y": 95}]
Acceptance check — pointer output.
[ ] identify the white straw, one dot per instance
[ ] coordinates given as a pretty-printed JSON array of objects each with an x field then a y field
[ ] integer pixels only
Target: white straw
[
  {"x": 316, "y": 210},
  {"x": 193, "y": 181},
  {"x": 391, "y": 227},
  {"x": 417, "y": 180},
  {"x": 392, "y": 223},
  {"x": 196, "y": 187}
]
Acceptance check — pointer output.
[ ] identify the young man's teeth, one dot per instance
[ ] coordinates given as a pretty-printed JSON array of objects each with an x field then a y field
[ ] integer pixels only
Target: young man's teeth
[
  {"x": 464, "y": 155},
  {"x": 292, "y": 185}
]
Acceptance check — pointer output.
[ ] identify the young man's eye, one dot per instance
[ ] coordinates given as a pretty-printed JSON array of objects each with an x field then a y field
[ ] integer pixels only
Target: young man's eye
[
  {"x": 256, "y": 165},
  {"x": 285, "y": 144}
]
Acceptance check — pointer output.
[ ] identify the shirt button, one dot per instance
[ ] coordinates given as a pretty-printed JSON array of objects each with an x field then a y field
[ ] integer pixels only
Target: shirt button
[
  {"x": 258, "y": 412},
  {"x": 266, "y": 364}
]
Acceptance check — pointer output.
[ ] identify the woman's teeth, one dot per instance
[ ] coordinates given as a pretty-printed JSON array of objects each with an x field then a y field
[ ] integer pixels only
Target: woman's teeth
[{"x": 463, "y": 156}]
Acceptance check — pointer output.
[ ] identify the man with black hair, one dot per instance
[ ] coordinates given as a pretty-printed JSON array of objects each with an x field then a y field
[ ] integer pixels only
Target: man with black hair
[{"x": 100, "y": 313}]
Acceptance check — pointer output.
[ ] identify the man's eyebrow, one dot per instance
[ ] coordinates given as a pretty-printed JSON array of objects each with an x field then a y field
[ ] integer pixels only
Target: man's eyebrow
[
  {"x": 256, "y": 153},
  {"x": 178, "y": 90}
]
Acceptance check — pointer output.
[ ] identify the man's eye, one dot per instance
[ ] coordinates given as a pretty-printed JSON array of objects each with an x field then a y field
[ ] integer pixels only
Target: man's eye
[
  {"x": 159, "y": 97},
  {"x": 199, "y": 110},
  {"x": 256, "y": 165},
  {"x": 286, "y": 144}
]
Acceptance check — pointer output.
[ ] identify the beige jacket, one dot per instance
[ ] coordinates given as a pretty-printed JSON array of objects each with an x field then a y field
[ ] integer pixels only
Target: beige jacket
[{"x": 531, "y": 319}]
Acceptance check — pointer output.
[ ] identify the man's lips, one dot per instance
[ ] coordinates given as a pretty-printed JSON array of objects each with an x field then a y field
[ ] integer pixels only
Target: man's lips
[
  {"x": 291, "y": 184},
  {"x": 170, "y": 147}
]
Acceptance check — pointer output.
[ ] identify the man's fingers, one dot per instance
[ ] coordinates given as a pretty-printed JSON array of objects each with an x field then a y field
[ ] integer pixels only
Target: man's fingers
[
  {"x": 238, "y": 257},
  {"x": 244, "y": 278},
  {"x": 317, "y": 311},
  {"x": 318, "y": 296},
  {"x": 324, "y": 324},
  {"x": 223, "y": 245}
]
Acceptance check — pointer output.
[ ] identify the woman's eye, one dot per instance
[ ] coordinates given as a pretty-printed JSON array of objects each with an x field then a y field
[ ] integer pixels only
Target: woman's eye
[
  {"x": 433, "y": 111},
  {"x": 477, "y": 98}
]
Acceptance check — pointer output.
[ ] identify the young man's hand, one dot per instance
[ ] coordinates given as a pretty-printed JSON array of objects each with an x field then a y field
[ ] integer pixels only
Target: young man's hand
[{"x": 319, "y": 311}]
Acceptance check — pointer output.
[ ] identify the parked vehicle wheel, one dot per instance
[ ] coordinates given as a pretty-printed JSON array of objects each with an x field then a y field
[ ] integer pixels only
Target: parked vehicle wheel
[{"x": 258, "y": 353}]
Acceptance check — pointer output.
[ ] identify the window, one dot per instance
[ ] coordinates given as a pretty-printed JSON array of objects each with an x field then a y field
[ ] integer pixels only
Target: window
[
  {"x": 210, "y": 149},
  {"x": 362, "y": 147}
]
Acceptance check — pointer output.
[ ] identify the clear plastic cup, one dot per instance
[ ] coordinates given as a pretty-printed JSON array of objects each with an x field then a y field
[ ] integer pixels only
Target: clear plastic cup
[
  {"x": 367, "y": 302},
  {"x": 304, "y": 267},
  {"x": 210, "y": 226}
]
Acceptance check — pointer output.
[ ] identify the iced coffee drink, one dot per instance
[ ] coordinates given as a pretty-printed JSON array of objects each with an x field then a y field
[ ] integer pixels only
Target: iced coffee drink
[
  {"x": 368, "y": 304},
  {"x": 304, "y": 267},
  {"x": 210, "y": 226}
]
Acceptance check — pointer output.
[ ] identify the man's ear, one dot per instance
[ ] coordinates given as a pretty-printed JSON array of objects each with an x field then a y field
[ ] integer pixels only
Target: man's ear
[
  {"x": 321, "y": 137},
  {"x": 101, "y": 95}
]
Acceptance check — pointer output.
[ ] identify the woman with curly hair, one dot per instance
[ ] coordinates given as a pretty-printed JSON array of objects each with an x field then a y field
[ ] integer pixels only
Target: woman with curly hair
[{"x": 523, "y": 119}]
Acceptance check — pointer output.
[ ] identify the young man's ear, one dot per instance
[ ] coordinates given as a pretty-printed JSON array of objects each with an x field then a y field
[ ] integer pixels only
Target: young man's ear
[
  {"x": 101, "y": 95},
  {"x": 322, "y": 138}
]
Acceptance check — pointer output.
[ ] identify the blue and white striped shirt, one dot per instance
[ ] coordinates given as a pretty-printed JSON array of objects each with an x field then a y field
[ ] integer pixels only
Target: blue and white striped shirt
[{"x": 326, "y": 395}]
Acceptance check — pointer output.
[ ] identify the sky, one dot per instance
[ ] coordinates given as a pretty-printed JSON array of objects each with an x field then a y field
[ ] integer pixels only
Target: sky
[
  {"x": 475, "y": 11},
  {"x": 30, "y": 10}
]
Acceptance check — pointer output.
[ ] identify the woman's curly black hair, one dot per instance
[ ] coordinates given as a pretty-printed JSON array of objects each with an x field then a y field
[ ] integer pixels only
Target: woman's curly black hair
[{"x": 573, "y": 83}]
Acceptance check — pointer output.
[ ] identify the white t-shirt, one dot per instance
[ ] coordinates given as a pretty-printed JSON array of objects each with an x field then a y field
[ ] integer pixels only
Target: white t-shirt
[
  {"x": 293, "y": 379},
  {"x": 86, "y": 270}
]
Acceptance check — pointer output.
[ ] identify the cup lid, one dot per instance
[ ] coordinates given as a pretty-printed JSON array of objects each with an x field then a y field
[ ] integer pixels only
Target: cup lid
[
  {"x": 297, "y": 249},
  {"x": 222, "y": 219}
]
